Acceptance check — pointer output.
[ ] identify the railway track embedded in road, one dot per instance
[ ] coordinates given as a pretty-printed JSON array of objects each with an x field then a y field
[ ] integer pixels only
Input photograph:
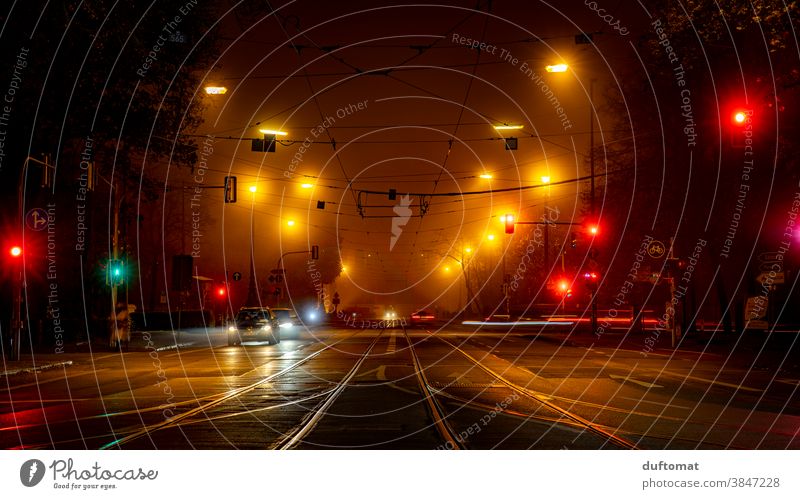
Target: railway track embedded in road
[
  {"x": 295, "y": 437},
  {"x": 585, "y": 423},
  {"x": 434, "y": 408},
  {"x": 178, "y": 419}
]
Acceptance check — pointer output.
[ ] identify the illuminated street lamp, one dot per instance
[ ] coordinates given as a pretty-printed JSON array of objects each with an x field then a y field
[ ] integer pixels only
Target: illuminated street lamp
[
  {"x": 490, "y": 237},
  {"x": 561, "y": 68},
  {"x": 306, "y": 186},
  {"x": 505, "y": 126},
  {"x": 211, "y": 90},
  {"x": 253, "y": 189},
  {"x": 557, "y": 68},
  {"x": 290, "y": 223},
  {"x": 273, "y": 132},
  {"x": 545, "y": 179}
]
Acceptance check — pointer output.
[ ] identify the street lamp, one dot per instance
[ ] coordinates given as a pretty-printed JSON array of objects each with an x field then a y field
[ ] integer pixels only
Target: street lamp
[
  {"x": 562, "y": 68},
  {"x": 252, "y": 296},
  {"x": 557, "y": 68},
  {"x": 212, "y": 90},
  {"x": 273, "y": 132},
  {"x": 506, "y": 126}
]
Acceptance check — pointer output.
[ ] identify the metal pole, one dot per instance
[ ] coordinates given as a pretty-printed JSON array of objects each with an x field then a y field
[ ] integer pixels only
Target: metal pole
[
  {"x": 591, "y": 145},
  {"x": 114, "y": 334},
  {"x": 252, "y": 297}
]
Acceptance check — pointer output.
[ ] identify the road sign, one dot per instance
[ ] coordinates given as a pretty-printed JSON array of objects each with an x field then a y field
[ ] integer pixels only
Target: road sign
[
  {"x": 36, "y": 219},
  {"x": 656, "y": 249},
  {"x": 237, "y": 276}
]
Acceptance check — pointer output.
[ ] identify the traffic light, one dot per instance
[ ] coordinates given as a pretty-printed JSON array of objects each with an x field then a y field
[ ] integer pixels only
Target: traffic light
[
  {"x": 591, "y": 279},
  {"x": 115, "y": 273},
  {"x": 230, "y": 189},
  {"x": 674, "y": 265},
  {"x": 509, "y": 221},
  {"x": 15, "y": 251},
  {"x": 741, "y": 127},
  {"x": 564, "y": 288},
  {"x": 593, "y": 229},
  {"x": 221, "y": 292}
]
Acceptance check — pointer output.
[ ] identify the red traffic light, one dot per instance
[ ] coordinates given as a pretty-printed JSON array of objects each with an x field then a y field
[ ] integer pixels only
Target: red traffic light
[
  {"x": 594, "y": 229},
  {"x": 564, "y": 288},
  {"x": 221, "y": 292},
  {"x": 740, "y": 117},
  {"x": 508, "y": 219},
  {"x": 15, "y": 251}
]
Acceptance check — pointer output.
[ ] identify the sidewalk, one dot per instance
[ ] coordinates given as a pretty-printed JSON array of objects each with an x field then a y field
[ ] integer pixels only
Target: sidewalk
[{"x": 45, "y": 358}]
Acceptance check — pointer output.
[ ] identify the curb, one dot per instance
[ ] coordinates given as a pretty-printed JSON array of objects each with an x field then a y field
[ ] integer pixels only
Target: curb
[{"x": 25, "y": 370}]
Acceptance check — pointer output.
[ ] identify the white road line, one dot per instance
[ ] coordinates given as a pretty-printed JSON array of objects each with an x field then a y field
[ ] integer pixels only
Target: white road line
[
  {"x": 645, "y": 384},
  {"x": 710, "y": 381},
  {"x": 392, "y": 348}
]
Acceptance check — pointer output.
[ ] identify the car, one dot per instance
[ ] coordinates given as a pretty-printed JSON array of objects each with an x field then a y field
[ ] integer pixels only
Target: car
[
  {"x": 422, "y": 317},
  {"x": 287, "y": 317},
  {"x": 254, "y": 323}
]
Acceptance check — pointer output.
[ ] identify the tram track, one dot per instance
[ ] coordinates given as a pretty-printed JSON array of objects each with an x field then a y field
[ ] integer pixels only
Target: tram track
[
  {"x": 175, "y": 421},
  {"x": 541, "y": 399}
]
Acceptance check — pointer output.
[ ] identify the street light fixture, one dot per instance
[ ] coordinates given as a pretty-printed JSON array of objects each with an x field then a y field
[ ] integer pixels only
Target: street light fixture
[
  {"x": 273, "y": 132},
  {"x": 557, "y": 68},
  {"x": 212, "y": 90},
  {"x": 508, "y": 127},
  {"x": 486, "y": 176},
  {"x": 306, "y": 186},
  {"x": 290, "y": 223},
  {"x": 253, "y": 189}
]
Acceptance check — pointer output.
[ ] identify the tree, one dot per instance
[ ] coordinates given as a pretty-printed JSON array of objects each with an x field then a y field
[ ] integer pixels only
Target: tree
[
  {"x": 111, "y": 84},
  {"x": 672, "y": 171}
]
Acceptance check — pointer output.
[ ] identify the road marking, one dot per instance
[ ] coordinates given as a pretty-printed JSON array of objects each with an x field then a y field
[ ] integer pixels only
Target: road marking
[
  {"x": 712, "y": 382},
  {"x": 636, "y": 381},
  {"x": 392, "y": 348},
  {"x": 380, "y": 373},
  {"x": 672, "y": 406}
]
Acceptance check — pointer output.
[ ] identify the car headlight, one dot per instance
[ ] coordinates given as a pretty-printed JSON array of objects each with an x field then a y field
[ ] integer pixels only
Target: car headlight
[
  {"x": 267, "y": 328},
  {"x": 286, "y": 324},
  {"x": 231, "y": 328}
]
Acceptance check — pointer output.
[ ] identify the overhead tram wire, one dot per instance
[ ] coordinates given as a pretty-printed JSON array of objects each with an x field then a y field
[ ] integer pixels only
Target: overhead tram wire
[{"x": 316, "y": 101}]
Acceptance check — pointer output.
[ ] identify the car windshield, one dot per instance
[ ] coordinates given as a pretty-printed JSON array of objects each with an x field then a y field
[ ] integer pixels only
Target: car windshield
[
  {"x": 251, "y": 316},
  {"x": 283, "y": 315}
]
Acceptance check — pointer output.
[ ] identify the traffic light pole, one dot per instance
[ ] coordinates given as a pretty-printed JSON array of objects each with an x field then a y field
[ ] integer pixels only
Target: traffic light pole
[
  {"x": 16, "y": 313},
  {"x": 19, "y": 268}
]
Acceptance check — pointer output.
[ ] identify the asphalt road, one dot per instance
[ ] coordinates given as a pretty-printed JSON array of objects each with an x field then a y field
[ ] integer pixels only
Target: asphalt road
[{"x": 405, "y": 389}]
